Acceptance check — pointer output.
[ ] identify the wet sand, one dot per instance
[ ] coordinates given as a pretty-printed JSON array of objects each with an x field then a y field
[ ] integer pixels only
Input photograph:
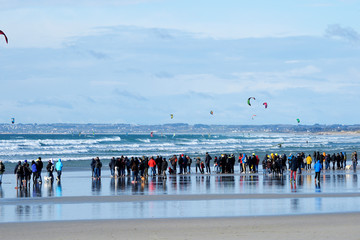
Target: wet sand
[
  {"x": 161, "y": 198},
  {"x": 328, "y": 226},
  {"x": 185, "y": 207}
]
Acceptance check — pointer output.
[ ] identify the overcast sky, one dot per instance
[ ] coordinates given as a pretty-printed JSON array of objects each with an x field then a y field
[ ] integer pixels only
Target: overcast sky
[{"x": 138, "y": 61}]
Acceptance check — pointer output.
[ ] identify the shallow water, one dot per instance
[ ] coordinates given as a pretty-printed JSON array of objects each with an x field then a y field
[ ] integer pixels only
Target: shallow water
[
  {"x": 80, "y": 183},
  {"x": 305, "y": 197},
  {"x": 177, "y": 209}
]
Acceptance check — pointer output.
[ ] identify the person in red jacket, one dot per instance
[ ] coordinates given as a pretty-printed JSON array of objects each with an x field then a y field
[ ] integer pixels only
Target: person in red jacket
[{"x": 152, "y": 165}]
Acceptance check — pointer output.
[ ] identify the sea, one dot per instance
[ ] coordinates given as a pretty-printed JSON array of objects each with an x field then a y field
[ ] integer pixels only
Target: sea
[
  {"x": 77, "y": 150},
  {"x": 79, "y": 197}
]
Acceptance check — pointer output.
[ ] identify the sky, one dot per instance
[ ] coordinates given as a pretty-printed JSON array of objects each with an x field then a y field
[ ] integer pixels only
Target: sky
[{"x": 138, "y": 61}]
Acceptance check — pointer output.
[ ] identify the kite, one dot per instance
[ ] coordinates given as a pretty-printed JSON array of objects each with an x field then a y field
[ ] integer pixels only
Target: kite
[
  {"x": 253, "y": 117},
  {"x": 298, "y": 120},
  {"x": 171, "y": 116},
  {"x": 211, "y": 112},
  {"x": 12, "y": 120},
  {"x": 249, "y": 100},
  {"x": 265, "y": 104},
  {"x": 6, "y": 39}
]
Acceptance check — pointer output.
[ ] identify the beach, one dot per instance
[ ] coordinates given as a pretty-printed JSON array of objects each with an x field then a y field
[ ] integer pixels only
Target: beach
[
  {"x": 182, "y": 206},
  {"x": 329, "y": 226},
  {"x": 193, "y": 206}
]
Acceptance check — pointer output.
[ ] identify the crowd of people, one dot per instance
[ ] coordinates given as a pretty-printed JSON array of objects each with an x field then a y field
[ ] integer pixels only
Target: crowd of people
[
  {"x": 142, "y": 167},
  {"x": 25, "y": 171}
]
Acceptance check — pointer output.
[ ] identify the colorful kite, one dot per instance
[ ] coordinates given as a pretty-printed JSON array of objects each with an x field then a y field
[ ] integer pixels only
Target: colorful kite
[
  {"x": 249, "y": 100},
  {"x": 6, "y": 39}
]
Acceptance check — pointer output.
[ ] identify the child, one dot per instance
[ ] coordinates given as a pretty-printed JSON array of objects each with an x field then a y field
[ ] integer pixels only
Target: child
[{"x": 202, "y": 167}]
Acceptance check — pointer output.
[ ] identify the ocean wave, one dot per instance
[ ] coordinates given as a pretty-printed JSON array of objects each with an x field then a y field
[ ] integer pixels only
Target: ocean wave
[{"x": 80, "y": 148}]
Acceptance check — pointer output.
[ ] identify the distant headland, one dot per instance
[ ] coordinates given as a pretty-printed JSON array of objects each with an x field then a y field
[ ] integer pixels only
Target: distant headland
[{"x": 178, "y": 128}]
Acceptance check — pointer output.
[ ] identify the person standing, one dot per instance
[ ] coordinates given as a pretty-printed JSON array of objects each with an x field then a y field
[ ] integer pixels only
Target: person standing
[
  {"x": 142, "y": 168},
  {"x": 240, "y": 163},
  {"x": 26, "y": 174},
  {"x": 2, "y": 170},
  {"x": 293, "y": 167},
  {"x": 354, "y": 160},
  {"x": 181, "y": 163},
  {"x": 173, "y": 162},
  {"x": 19, "y": 174},
  {"x": 244, "y": 163},
  {"x": 128, "y": 166},
  {"x": 231, "y": 163},
  {"x": 333, "y": 160},
  {"x": 112, "y": 164},
  {"x": 164, "y": 166},
  {"x": 327, "y": 161},
  {"x": 135, "y": 169},
  {"x": 146, "y": 164},
  {"x": 317, "y": 167},
  {"x": 97, "y": 169},
  {"x": 117, "y": 168},
  {"x": 34, "y": 171},
  {"x": 39, "y": 166},
  {"x": 158, "y": 162},
  {"x": 92, "y": 165},
  {"x": 342, "y": 161},
  {"x": 207, "y": 162},
  {"x": 50, "y": 170},
  {"x": 58, "y": 168},
  {"x": 197, "y": 164},
  {"x": 185, "y": 162},
  {"x": 189, "y": 162},
  {"x": 308, "y": 163},
  {"x": 152, "y": 164},
  {"x": 299, "y": 161},
  {"x": 218, "y": 165},
  {"x": 338, "y": 160}
]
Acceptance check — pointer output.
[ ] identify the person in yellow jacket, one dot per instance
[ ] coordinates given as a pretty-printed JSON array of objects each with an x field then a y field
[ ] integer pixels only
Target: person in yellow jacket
[{"x": 308, "y": 163}]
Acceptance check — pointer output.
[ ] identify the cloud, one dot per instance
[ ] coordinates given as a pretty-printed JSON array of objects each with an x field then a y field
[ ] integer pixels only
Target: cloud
[
  {"x": 162, "y": 33},
  {"x": 126, "y": 94},
  {"x": 163, "y": 75},
  {"x": 100, "y": 83},
  {"x": 98, "y": 55},
  {"x": 346, "y": 33},
  {"x": 48, "y": 102},
  {"x": 199, "y": 95}
]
